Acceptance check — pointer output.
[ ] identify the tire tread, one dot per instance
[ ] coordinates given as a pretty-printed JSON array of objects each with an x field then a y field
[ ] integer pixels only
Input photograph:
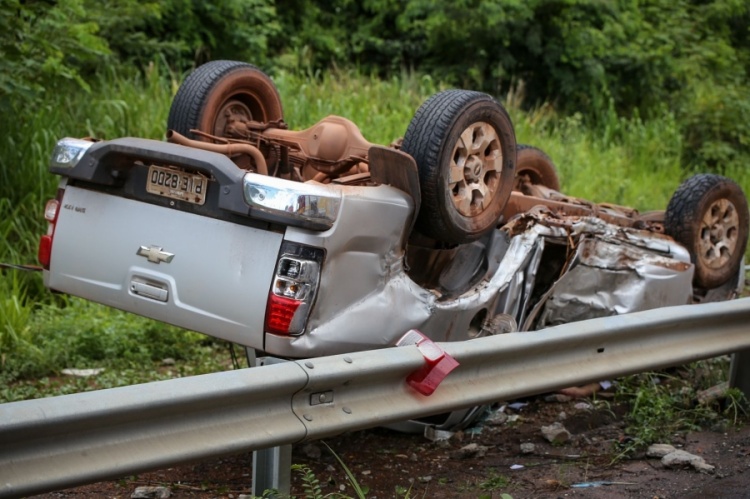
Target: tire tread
[
  {"x": 684, "y": 211},
  {"x": 423, "y": 140},
  {"x": 187, "y": 105}
]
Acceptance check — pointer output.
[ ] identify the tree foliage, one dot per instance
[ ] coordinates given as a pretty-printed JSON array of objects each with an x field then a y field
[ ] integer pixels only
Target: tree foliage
[
  {"x": 687, "y": 57},
  {"x": 690, "y": 58},
  {"x": 46, "y": 44},
  {"x": 39, "y": 46}
]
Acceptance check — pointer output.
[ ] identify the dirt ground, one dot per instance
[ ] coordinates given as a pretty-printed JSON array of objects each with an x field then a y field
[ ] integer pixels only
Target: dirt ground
[{"x": 392, "y": 464}]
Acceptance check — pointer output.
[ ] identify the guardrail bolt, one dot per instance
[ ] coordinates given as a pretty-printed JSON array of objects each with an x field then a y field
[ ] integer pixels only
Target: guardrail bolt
[
  {"x": 309, "y": 365},
  {"x": 307, "y": 417},
  {"x": 347, "y": 410},
  {"x": 348, "y": 360}
]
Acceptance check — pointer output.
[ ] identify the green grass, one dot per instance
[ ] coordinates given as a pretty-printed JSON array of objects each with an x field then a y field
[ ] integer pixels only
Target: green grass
[
  {"x": 665, "y": 404},
  {"x": 628, "y": 162},
  {"x": 380, "y": 108},
  {"x": 601, "y": 158},
  {"x": 81, "y": 334}
]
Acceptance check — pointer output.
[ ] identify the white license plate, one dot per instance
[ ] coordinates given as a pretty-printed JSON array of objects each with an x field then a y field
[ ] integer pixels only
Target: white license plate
[{"x": 176, "y": 184}]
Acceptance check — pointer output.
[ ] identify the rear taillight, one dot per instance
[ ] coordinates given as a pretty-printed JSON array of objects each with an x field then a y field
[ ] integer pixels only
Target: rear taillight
[
  {"x": 51, "y": 212},
  {"x": 294, "y": 287},
  {"x": 45, "y": 251},
  {"x": 51, "y": 209}
]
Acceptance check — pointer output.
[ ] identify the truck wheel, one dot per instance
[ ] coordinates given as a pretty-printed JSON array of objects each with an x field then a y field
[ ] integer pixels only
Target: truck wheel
[
  {"x": 534, "y": 165},
  {"x": 465, "y": 149},
  {"x": 708, "y": 214},
  {"x": 220, "y": 97}
]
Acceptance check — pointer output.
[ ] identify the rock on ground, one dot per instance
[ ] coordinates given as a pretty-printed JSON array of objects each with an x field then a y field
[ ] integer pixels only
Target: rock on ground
[
  {"x": 151, "y": 493},
  {"x": 660, "y": 450},
  {"x": 680, "y": 458},
  {"x": 556, "y": 433}
]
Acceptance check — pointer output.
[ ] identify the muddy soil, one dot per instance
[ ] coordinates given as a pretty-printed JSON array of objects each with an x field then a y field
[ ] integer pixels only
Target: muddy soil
[{"x": 391, "y": 464}]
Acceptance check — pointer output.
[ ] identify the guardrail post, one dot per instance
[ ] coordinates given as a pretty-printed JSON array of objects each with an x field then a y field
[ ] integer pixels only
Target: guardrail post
[
  {"x": 272, "y": 468},
  {"x": 739, "y": 371}
]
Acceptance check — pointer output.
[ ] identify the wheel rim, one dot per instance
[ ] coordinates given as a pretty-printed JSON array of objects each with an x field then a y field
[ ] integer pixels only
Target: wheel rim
[
  {"x": 232, "y": 118},
  {"x": 718, "y": 235},
  {"x": 476, "y": 165}
]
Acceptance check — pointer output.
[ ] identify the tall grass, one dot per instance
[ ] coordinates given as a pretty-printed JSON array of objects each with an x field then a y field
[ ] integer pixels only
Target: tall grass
[
  {"x": 627, "y": 161},
  {"x": 380, "y": 108},
  {"x": 132, "y": 104},
  {"x": 117, "y": 106},
  {"x": 602, "y": 158}
]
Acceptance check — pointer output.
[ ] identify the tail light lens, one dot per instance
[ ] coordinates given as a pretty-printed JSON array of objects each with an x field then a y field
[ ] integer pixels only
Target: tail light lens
[
  {"x": 51, "y": 211},
  {"x": 295, "y": 285},
  {"x": 45, "y": 251}
]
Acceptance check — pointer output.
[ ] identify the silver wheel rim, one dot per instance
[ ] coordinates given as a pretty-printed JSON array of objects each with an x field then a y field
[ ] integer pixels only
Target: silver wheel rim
[
  {"x": 718, "y": 234},
  {"x": 476, "y": 165}
]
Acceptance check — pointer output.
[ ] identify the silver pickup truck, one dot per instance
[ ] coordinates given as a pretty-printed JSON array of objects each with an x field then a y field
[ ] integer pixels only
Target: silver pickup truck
[{"x": 316, "y": 242}]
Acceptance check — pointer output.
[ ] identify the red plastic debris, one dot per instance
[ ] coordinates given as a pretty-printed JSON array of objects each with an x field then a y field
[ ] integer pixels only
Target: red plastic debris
[{"x": 437, "y": 363}]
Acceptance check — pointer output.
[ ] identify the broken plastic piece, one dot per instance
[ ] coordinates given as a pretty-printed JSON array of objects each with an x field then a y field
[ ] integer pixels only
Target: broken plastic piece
[
  {"x": 438, "y": 364},
  {"x": 586, "y": 485}
]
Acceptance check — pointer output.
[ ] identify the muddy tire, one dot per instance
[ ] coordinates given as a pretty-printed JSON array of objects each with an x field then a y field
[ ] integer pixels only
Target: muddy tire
[
  {"x": 708, "y": 214},
  {"x": 465, "y": 149},
  {"x": 537, "y": 167},
  {"x": 219, "y": 96}
]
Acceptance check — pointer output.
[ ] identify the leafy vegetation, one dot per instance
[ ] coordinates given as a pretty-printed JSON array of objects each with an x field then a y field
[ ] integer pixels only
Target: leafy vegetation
[
  {"x": 686, "y": 57},
  {"x": 689, "y": 58},
  {"x": 39, "y": 342},
  {"x": 667, "y": 403}
]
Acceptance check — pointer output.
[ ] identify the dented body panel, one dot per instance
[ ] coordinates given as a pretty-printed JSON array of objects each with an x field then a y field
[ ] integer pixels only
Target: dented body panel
[{"x": 611, "y": 270}]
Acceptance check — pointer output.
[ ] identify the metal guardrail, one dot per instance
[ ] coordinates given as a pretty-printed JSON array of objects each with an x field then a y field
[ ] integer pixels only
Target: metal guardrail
[{"x": 59, "y": 442}]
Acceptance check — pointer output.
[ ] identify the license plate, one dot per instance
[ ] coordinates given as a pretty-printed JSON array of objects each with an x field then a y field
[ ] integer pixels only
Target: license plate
[{"x": 173, "y": 183}]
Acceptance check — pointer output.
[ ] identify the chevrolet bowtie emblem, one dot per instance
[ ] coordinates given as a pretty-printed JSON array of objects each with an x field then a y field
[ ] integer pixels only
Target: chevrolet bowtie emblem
[{"x": 155, "y": 254}]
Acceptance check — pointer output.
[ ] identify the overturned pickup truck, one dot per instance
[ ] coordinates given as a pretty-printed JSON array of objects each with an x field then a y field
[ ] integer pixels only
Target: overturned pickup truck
[{"x": 316, "y": 242}]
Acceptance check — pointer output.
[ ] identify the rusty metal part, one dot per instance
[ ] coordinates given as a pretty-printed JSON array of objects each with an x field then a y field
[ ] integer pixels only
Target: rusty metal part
[
  {"x": 33, "y": 268},
  {"x": 229, "y": 149},
  {"x": 333, "y": 145},
  {"x": 617, "y": 215},
  {"x": 320, "y": 177}
]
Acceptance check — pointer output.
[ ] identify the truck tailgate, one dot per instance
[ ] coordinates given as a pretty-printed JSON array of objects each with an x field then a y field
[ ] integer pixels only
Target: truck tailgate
[{"x": 192, "y": 271}]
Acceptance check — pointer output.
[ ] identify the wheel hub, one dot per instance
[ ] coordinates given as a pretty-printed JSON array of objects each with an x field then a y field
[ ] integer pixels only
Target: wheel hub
[
  {"x": 475, "y": 169},
  {"x": 232, "y": 119},
  {"x": 719, "y": 232}
]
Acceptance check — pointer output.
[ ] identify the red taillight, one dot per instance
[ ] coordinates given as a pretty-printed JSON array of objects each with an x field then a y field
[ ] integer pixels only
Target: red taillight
[
  {"x": 51, "y": 211},
  {"x": 293, "y": 289},
  {"x": 280, "y": 313},
  {"x": 45, "y": 250}
]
